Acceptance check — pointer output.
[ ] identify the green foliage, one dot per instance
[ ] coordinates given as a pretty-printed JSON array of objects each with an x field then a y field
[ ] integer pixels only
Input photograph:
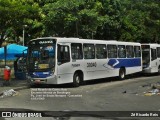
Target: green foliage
[
  {"x": 14, "y": 15},
  {"x": 125, "y": 20}
]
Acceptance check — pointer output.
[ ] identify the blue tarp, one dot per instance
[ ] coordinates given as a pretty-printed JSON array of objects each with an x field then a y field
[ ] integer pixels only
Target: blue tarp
[
  {"x": 23, "y": 54},
  {"x": 12, "y": 51}
]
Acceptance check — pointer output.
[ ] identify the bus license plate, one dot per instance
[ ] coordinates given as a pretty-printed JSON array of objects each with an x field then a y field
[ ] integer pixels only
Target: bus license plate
[{"x": 37, "y": 81}]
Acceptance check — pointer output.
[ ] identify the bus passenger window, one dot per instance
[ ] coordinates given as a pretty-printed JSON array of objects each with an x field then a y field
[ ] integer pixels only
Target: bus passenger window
[
  {"x": 129, "y": 51},
  {"x": 137, "y": 51},
  {"x": 153, "y": 54},
  {"x": 112, "y": 51},
  {"x": 63, "y": 54},
  {"x": 158, "y": 52},
  {"x": 89, "y": 51},
  {"x": 76, "y": 50},
  {"x": 101, "y": 51},
  {"x": 121, "y": 51}
]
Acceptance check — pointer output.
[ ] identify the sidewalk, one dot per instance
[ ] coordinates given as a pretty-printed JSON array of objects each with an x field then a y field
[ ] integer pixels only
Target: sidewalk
[{"x": 14, "y": 84}]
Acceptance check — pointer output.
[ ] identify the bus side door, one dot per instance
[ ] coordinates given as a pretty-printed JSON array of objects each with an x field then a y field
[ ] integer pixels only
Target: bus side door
[
  {"x": 64, "y": 63},
  {"x": 154, "y": 62}
]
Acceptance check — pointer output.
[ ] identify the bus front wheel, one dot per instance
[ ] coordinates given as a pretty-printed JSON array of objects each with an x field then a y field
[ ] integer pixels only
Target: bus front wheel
[
  {"x": 122, "y": 73},
  {"x": 76, "y": 80}
]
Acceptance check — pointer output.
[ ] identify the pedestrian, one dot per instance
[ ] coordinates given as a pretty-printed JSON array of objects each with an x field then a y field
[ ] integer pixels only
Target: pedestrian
[
  {"x": 7, "y": 75},
  {"x": 15, "y": 67}
]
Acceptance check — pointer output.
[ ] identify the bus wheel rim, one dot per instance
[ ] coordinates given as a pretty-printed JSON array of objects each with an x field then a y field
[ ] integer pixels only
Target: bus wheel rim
[
  {"x": 122, "y": 74},
  {"x": 77, "y": 79}
]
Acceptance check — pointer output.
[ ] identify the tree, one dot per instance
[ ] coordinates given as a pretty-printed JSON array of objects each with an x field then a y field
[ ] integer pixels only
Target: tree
[
  {"x": 125, "y": 20},
  {"x": 112, "y": 24},
  {"x": 152, "y": 21},
  {"x": 15, "y": 14},
  {"x": 132, "y": 19},
  {"x": 140, "y": 21},
  {"x": 72, "y": 18}
]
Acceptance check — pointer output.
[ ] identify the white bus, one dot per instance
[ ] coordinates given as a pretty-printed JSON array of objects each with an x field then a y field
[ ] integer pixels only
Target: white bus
[
  {"x": 54, "y": 60},
  {"x": 151, "y": 58}
]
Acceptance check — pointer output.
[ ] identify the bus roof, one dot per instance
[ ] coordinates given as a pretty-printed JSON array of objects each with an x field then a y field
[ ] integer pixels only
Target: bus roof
[
  {"x": 152, "y": 44},
  {"x": 79, "y": 40}
]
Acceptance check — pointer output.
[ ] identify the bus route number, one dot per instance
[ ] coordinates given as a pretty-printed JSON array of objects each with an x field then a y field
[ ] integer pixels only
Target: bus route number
[{"x": 92, "y": 64}]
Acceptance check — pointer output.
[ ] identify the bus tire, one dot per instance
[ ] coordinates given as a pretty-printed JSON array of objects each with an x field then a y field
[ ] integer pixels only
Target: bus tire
[
  {"x": 76, "y": 80},
  {"x": 122, "y": 73}
]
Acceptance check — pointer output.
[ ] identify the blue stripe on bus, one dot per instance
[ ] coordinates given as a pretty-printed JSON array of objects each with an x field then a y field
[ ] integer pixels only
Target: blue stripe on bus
[
  {"x": 126, "y": 62},
  {"x": 40, "y": 74}
]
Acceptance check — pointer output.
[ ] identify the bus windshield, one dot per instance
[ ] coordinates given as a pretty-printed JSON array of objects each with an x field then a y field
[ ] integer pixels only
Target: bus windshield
[
  {"x": 41, "y": 55},
  {"x": 146, "y": 54}
]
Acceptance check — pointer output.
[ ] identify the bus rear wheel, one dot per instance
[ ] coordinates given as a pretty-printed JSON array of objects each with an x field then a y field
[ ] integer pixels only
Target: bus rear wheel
[
  {"x": 76, "y": 80},
  {"x": 122, "y": 73}
]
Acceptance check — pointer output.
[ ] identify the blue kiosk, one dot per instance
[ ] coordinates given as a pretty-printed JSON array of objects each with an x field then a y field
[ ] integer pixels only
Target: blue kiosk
[{"x": 18, "y": 54}]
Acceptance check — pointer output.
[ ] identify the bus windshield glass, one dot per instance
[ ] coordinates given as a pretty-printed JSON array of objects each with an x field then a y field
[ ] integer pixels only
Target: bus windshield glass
[
  {"x": 146, "y": 54},
  {"x": 41, "y": 55}
]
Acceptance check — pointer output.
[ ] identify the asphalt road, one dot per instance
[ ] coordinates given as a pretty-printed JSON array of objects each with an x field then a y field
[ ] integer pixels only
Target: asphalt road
[{"x": 100, "y": 95}]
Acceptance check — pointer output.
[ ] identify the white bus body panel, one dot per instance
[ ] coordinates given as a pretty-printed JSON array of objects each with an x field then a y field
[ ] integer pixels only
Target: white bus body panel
[
  {"x": 153, "y": 64},
  {"x": 65, "y": 72}
]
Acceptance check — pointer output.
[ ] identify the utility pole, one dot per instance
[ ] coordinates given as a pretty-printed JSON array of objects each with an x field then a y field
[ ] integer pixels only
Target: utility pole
[{"x": 24, "y": 26}]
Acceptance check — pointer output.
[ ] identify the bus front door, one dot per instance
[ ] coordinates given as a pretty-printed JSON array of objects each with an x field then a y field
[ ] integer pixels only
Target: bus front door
[
  {"x": 154, "y": 62},
  {"x": 64, "y": 65}
]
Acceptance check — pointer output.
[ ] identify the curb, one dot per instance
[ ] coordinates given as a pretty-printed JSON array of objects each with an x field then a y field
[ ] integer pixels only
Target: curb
[{"x": 21, "y": 88}]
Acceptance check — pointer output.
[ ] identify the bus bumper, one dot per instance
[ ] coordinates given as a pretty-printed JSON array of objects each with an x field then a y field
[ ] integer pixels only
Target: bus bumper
[{"x": 48, "y": 80}]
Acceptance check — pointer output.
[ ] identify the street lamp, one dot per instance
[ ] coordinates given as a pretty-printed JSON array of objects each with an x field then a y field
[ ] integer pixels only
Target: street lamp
[{"x": 24, "y": 26}]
